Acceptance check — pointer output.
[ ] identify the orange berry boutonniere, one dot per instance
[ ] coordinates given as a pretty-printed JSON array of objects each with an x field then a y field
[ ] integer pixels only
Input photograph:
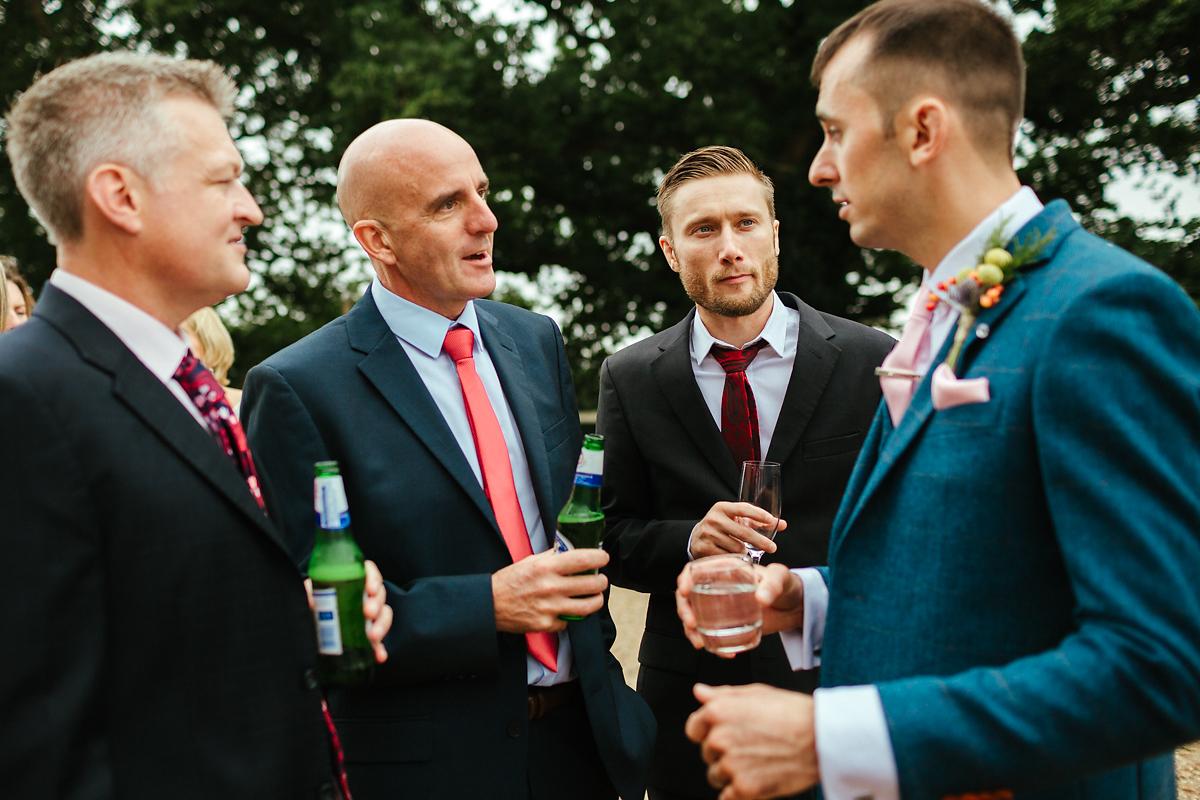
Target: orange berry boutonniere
[{"x": 980, "y": 287}]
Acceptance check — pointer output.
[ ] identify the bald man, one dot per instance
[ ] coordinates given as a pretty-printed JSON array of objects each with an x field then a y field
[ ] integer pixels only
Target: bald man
[{"x": 455, "y": 423}]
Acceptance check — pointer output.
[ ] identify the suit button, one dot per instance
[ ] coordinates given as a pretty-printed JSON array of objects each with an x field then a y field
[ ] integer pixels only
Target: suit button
[
  {"x": 310, "y": 679},
  {"x": 327, "y": 792},
  {"x": 514, "y": 729}
]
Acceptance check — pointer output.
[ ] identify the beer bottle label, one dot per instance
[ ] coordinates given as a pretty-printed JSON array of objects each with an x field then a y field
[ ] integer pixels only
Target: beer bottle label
[
  {"x": 590, "y": 470},
  {"x": 329, "y": 500},
  {"x": 561, "y": 543},
  {"x": 329, "y": 628}
]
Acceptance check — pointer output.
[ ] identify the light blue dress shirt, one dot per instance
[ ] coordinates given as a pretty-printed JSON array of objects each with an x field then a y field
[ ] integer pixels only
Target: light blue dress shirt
[{"x": 421, "y": 333}]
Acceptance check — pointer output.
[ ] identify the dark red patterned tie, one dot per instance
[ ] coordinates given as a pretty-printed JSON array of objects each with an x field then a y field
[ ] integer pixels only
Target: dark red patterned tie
[
  {"x": 209, "y": 398},
  {"x": 739, "y": 415}
]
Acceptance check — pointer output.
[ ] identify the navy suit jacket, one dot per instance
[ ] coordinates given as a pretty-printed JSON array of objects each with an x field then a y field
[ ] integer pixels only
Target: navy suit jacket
[
  {"x": 157, "y": 642},
  {"x": 446, "y": 715},
  {"x": 1019, "y": 577}
]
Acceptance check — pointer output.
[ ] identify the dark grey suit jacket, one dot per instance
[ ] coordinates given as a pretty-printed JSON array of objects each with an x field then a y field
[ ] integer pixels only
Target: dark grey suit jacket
[
  {"x": 157, "y": 640},
  {"x": 666, "y": 464}
]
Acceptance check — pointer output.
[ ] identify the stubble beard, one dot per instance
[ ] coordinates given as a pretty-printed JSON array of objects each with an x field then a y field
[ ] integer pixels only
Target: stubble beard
[{"x": 702, "y": 294}]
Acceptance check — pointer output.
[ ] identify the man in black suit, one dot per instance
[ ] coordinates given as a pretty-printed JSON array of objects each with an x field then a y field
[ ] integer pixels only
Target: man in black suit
[
  {"x": 671, "y": 475},
  {"x": 158, "y": 642},
  {"x": 455, "y": 423}
]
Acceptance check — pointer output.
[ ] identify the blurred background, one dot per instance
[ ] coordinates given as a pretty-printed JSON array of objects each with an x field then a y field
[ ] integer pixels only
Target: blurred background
[{"x": 577, "y": 108}]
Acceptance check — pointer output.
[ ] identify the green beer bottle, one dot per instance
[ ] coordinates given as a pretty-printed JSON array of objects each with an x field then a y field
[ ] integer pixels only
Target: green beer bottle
[
  {"x": 345, "y": 656},
  {"x": 581, "y": 521}
]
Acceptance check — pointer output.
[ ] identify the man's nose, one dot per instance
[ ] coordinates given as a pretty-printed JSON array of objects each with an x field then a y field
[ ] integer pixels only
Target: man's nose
[
  {"x": 247, "y": 209},
  {"x": 482, "y": 220},
  {"x": 821, "y": 172},
  {"x": 730, "y": 251}
]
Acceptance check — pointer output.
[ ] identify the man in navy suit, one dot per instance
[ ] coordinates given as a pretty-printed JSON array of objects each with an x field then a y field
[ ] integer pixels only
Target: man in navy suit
[
  {"x": 1011, "y": 606},
  {"x": 455, "y": 424}
]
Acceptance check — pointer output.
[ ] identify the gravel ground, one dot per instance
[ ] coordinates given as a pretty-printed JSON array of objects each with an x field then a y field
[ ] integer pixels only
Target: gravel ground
[{"x": 629, "y": 613}]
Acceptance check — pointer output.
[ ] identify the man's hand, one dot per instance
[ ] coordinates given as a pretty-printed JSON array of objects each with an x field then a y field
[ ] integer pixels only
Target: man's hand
[
  {"x": 376, "y": 611},
  {"x": 757, "y": 740},
  {"x": 531, "y": 594},
  {"x": 723, "y": 530},
  {"x": 779, "y": 592}
]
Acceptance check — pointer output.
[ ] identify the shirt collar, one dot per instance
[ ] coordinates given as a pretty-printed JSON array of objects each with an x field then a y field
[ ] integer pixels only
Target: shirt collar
[
  {"x": 1013, "y": 212},
  {"x": 774, "y": 333},
  {"x": 158, "y": 347},
  {"x": 419, "y": 326}
]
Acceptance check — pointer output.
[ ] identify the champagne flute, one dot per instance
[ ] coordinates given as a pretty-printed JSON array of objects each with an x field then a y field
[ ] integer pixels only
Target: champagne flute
[{"x": 761, "y": 487}]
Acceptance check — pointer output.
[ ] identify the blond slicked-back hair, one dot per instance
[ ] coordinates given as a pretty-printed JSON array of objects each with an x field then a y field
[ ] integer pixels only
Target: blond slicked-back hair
[
  {"x": 708, "y": 162},
  {"x": 103, "y": 108},
  {"x": 215, "y": 344}
]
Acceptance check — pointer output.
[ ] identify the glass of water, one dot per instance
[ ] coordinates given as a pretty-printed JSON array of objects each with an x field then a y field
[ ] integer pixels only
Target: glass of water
[
  {"x": 761, "y": 487},
  {"x": 722, "y": 598}
]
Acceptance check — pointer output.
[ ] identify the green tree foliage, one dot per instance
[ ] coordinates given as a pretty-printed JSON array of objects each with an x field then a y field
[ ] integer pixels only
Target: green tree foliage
[{"x": 576, "y": 107}]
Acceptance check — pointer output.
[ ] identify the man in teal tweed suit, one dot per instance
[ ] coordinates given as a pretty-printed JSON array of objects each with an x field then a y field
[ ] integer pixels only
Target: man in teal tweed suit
[{"x": 1011, "y": 606}]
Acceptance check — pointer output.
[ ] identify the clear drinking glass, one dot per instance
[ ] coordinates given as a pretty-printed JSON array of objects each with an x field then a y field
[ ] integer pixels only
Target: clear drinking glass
[
  {"x": 722, "y": 598},
  {"x": 761, "y": 487}
]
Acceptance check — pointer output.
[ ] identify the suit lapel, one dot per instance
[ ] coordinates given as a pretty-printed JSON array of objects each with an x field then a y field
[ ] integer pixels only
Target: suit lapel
[
  {"x": 147, "y": 399},
  {"x": 815, "y": 360},
  {"x": 1055, "y": 217},
  {"x": 390, "y": 371},
  {"x": 518, "y": 385},
  {"x": 672, "y": 371}
]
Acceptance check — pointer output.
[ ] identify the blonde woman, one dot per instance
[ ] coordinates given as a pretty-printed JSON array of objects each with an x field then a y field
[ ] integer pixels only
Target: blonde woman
[{"x": 210, "y": 342}]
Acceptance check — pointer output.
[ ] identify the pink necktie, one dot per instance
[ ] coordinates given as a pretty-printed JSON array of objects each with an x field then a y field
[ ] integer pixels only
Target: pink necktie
[
  {"x": 898, "y": 392},
  {"x": 498, "y": 482}
]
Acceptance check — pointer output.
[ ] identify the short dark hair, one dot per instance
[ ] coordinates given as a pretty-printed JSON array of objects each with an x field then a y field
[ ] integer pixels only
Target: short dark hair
[
  {"x": 709, "y": 162},
  {"x": 964, "y": 48}
]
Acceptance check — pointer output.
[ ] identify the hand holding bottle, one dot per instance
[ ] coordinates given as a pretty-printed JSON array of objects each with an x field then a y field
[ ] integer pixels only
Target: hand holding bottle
[{"x": 531, "y": 594}]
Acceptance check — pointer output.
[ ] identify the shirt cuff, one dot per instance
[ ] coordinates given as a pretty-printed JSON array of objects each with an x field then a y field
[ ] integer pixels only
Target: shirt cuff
[
  {"x": 854, "y": 750},
  {"x": 687, "y": 548},
  {"x": 803, "y": 646}
]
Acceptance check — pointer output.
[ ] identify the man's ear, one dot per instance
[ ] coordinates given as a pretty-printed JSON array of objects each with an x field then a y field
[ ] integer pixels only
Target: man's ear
[
  {"x": 374, "y": 239},
  {"x": 777, "y": 238},
  {"x": 669, "y": 252},
  {"x": 924, "y": 129},
  {"x": 119, "y": 195}
]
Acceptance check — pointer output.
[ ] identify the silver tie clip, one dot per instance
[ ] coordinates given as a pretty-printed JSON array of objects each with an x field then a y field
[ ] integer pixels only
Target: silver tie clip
[{"x": 908, "y": 374}]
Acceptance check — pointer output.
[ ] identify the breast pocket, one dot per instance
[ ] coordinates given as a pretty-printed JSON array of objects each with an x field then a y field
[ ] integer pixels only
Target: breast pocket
[
  {"x": 557, "y": 433},
  {"x": 833, "y": 446}
]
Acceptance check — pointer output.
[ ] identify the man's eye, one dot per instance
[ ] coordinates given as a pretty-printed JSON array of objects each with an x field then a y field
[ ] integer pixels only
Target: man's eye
[
  {"x": 448, "y": 205},
  {"x": 703, "y": 229},
  {"x": 746, "y": 223}
]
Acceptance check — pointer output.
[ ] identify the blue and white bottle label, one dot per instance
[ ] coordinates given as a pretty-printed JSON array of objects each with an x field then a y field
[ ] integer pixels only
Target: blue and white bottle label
[
  {"x": 561, "y": 544},
  {"x": 329, "y": 627},
  {"x": 329, "y": 500},
  {"x": 590, "y": 470}
]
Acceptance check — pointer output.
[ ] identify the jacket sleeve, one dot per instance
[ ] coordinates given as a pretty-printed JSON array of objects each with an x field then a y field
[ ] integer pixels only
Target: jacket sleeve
[
  {"x": 54, "y": 614},
  {"x": 647, "y": 554}
]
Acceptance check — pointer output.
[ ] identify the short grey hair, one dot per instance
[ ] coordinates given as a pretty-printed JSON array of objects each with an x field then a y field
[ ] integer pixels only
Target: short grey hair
[{"x": 102, "y": 108}]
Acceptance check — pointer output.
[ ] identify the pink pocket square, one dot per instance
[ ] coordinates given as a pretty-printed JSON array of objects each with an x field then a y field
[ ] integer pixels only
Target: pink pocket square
[{"x": 950, "y": 391}]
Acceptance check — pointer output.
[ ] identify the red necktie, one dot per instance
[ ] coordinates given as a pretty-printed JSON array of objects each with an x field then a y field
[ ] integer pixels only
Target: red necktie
[
  {"x": 498, "y": 482},
  {"x": 739, "y": 415},
  {"x": 898, "y": 392},
  {"x": 209, "y": 398}
]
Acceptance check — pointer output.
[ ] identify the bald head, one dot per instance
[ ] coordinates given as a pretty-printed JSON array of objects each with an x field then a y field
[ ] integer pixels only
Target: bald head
[{"x": 387, "y": 155}]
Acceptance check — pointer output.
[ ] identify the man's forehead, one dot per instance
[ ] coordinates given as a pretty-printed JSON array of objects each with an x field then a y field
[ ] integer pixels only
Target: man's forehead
[{"x": 700, "y": 195}]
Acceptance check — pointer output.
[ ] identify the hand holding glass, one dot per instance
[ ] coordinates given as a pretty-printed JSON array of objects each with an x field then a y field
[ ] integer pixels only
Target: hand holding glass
[
  {"x": 722, "y": 599},
  {"x": 761, "y": 487}
]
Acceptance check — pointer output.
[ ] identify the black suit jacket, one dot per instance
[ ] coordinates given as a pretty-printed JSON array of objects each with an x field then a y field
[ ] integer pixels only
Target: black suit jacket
[
  {"x": 665, "y": 464},
  {"x": 157, "y": 638},
  {"x": 447, "y": 715}
]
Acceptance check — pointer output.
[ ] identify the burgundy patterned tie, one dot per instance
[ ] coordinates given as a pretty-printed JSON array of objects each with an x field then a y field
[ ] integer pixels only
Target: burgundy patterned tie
[
  {"x": 739, "y": 415},
  {"x": 209, "y": 398}
]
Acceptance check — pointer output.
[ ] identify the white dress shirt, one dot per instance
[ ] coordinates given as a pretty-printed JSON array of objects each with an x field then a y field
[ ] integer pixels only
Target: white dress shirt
[
  {"x": 421, "y": 333},
  {"x": 853, "y": 746},
  {"x": 158, "y": 347},
  {"x": 768, "y": 374}
]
